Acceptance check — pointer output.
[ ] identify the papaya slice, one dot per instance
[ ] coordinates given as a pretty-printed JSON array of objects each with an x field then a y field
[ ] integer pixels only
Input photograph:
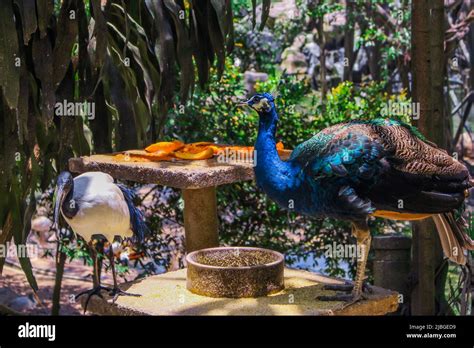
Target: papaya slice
[
  {"x": 165, "y": 147},
  {"x": 193, "y": 155},
  {"x": 201, "y": 143}
]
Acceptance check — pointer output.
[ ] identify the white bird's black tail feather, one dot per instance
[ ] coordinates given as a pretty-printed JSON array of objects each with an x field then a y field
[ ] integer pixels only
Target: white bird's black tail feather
[
  {"x": 137, "y": 220},
  {"x": 454, "y": 238}
]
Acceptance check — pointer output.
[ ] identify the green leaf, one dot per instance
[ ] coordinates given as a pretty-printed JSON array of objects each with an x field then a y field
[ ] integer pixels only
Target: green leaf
[
  {"x": 20, "y": 224},
  {"x": 44, "y": 10},
  {"x": 80, "y": 144},
  {"x": 164, "y": 49},
  {"x": 265, "y": 13},
  {"x": 65, "y": 40},
  {"x": 184, "y": 49},
  {"x": 200, "y": 41},
  {"x": 9, "y": 72},
  {"x": 126, "y": 133},
  {"x": 217, "y": 39},
  {"x": 6, "y": 236},
  {"x": 27, "y": 9},
  {"x": 27, "y": 268},
  {"x": 100, "y": 33},
  {"x": 43, "y": 63}
]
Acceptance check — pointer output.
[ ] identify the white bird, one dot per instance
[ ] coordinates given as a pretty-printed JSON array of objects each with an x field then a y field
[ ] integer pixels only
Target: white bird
[{"x": 94, "y": 206}]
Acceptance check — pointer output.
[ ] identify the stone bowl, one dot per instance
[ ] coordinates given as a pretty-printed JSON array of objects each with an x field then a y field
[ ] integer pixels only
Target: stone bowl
[{"x": 234, "y": 272}]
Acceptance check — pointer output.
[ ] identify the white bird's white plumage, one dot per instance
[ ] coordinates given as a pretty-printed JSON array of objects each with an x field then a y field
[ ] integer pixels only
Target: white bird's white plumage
[{"x": 102, "y": 207}]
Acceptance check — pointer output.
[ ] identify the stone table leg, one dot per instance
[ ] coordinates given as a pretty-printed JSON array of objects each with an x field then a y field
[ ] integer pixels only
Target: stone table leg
[{"x": 200, "y": 218}]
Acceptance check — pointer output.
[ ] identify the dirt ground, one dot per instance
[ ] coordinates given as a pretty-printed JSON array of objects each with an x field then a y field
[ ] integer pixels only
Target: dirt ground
[{"x": 16, "y": 293}]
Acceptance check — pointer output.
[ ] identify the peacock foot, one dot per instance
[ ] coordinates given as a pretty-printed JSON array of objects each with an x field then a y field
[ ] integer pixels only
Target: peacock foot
[
  {"x": 348, "y": 299},
  {"x": 347, "y": 295},
  {"x": 348, "y": 287},
  {"x": 116, "y": 292},
  {"x": 344, "y": 297},
  {"x": 94, "y": 291}
]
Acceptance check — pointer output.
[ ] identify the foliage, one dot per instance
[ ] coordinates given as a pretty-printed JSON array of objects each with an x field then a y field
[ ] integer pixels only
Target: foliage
[
  {"x": 386, "y": 27},
  {"x": 123, "y": 56},
  {"x": 367, "y": 101}
]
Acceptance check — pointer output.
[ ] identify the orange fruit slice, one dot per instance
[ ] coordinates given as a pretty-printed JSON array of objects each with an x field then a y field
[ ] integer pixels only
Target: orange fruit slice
[
  {"x": 202, "y": 143},
  {"x": 193, "y": 154},
  {"x": 165, "y": 147}
]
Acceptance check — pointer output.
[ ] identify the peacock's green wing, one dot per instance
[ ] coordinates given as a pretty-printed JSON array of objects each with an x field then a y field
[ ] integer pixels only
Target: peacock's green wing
[{"x": 341, "y": 152}]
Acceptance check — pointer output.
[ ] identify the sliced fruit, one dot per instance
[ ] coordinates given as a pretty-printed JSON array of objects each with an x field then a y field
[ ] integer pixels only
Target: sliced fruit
[
  {"x": 216, "y": 148},
  {"x": 201, "y": 143},
  {"x": 188, "y": 155},
  {"x": 280, "y": 146},
  {"x": 164, "y": 147}
]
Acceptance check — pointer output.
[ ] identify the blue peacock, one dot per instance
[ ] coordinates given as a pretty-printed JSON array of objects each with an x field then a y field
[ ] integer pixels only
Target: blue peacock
[{"x": 357, "y": 169}]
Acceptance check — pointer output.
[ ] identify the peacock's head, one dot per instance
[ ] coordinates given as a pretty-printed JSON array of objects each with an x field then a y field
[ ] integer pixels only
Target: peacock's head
[{"x": 261, "y": 102}]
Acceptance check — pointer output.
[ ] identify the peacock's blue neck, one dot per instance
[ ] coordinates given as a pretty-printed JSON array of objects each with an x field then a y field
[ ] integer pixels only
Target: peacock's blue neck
[{"x": 280, "y": 180}]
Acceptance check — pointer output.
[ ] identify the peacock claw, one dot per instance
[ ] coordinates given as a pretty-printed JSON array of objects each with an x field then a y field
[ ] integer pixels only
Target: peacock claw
[
  {"x": 116, "y": 292},
  {"x": 94, "y": 291},
  {"x": 347, "y": 287},
  {"x": 337, "y": 297},
  {"x": 349, "y": 299}
]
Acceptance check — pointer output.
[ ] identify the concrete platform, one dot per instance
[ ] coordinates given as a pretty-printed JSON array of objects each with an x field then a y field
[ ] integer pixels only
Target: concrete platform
[
  {"x": 181, "y": 174},
  {"x": 166, "y": 294}
]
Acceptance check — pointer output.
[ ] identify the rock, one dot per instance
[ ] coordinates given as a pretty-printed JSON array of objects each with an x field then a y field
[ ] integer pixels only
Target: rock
[
  {"x": 334, "y": 21},
  {"x": 312, "y": 52},
  {"x": 7, "y": 295},
  {"x": 294, "y": 61},
  {"x": 23, "y": 303},
  {"x": 251, "y": 78},
  {"x": 41, "y": 224},
  {"x": 284, "y": 10}
]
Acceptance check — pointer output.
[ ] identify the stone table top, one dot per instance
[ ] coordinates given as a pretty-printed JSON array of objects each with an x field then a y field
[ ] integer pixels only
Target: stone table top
[
  {"x": 166, "y": 294},
  {"x": 182, "y": 174}
]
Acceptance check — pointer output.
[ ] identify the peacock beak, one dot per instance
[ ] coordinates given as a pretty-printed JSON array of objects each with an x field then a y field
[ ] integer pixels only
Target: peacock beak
[{"x": 243, "y": 103}]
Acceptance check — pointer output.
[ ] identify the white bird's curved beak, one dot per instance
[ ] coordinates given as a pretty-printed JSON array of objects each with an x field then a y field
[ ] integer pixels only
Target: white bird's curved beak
[{"x": 60, "y": 194}]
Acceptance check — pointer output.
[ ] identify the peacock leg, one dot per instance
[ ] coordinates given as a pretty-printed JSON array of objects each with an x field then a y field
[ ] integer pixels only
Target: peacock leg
[
  {"x": 362, "y": 234},
  {"x": 116, "y": 291},
  {"x": 363, "y": 244}
]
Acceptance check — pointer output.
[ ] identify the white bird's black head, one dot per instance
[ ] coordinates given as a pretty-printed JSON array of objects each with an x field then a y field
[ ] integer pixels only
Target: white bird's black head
[{"x": 63, "y": 194}]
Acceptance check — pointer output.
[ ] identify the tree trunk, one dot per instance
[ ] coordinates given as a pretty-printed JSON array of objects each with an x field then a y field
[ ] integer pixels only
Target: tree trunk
[
  {"x": 349, "y": 42},
  {"x": 323, "y": 72},
  {"x": 423, "y": 295},
  {"x": 428, "y": 79}
]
